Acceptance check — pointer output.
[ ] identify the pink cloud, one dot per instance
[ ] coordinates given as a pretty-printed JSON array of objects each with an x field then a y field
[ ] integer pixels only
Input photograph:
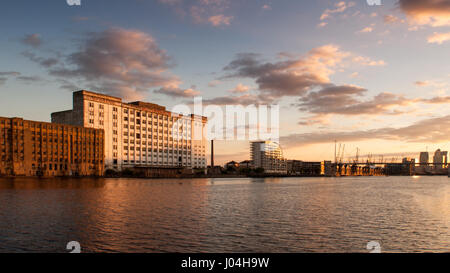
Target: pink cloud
[
  {"x": 435, "y": 13},
  {"x": 218, "y": 20},
  {"x": 439, "y": 38}
]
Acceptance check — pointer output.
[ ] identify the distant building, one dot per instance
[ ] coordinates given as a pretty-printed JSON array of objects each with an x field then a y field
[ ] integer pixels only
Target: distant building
[
  {"x": 214, "y": 170},
  {"x": 424, "y": 159},
  {"x": 139, "y": 134},
  {"x": 329, "y": 169},
  {"x": 269, "y": 156},
  {"x": 297, "y": 167},
  {"x": 232, "y": 165},
  {"x": 423, "y": 167},
  {"x": 32, "y": 148},
  {"x": 246, "y": 164},
  {"x": 407, "y": 167},
  {"x": 440, "y": 159}
]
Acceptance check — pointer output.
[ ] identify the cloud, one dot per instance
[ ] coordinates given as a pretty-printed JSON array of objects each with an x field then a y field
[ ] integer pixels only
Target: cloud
[
  {"x": 69, "y": 86},
  {"x": 120, "y": 62},
  {"x": 436, "y": 100},
  {"x": 246, "y": 99},
  {"x": 440, "y": 84},
  {"x": 365, "y": 30},
  {"x": 291, "y": 76},
  {"x": 422, "y": 83},
  {"x": 439, "y": 38},
  {"x": 33, "y": 40},
  {"x": 391, "y": 19},
  {"x": 366, "y": 61},
  {"x": 322, "y": 24},
  {"x": 45, "y": 62},
  {"x": 435, "y": 13},
  {"x": 171, "y": 2},
  {"x": 29, "y": 79},
  {"x": 240, "y": 88},
  {"x": 348, "y": 100},
  {"x": 10, "y": 73},
  {"x": 339, "y": 8},
  {"x": 214, "y": 83},
  {"x": 433, "y": 130},
  {"x": 218, "y": 20},
  {"x": 203, "y": 11},
  {"x": 175, "y": 91},
  {"x": 345, "y": 100},
  {"x": 4, "y": 76},
  {"x": 266, "y": 7}
]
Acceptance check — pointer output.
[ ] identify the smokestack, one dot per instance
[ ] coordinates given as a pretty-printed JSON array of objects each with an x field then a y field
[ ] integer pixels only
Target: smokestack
[{"x": 212, "y": 154}]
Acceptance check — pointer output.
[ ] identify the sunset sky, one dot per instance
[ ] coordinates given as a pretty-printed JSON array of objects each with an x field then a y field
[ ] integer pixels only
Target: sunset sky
[{"x": 373, "y": 77}]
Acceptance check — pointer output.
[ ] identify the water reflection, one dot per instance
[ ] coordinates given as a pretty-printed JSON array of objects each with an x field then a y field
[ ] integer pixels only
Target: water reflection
[
  {"x": 54, "y": 183},
  {"x": 225, "y": 215}
]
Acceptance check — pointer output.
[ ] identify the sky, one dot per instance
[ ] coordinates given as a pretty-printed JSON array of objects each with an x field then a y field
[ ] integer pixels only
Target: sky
[{"x": 373, "y": 77}]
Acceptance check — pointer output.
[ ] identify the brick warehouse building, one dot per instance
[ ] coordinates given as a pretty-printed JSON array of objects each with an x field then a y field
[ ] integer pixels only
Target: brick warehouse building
[
  {"x": 31, "y": 148},
  {"x": 139, "y": 134}
]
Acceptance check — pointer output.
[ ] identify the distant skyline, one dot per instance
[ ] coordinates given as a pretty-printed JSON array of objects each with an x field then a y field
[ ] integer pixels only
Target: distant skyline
[{"x": 373, "y": 77}]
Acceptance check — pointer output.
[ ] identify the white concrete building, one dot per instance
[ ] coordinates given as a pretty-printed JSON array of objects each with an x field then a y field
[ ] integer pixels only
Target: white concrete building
[
  {"x": 269, "y": 156},
  {"x": 139, "y": 133}
]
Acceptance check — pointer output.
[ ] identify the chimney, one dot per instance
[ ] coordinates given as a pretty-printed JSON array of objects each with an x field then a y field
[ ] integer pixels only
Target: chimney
[{"x": 212, "y": 154}]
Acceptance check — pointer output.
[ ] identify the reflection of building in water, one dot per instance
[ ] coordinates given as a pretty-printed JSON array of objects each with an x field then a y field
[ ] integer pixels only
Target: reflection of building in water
[{"x": 269, "y": 156}]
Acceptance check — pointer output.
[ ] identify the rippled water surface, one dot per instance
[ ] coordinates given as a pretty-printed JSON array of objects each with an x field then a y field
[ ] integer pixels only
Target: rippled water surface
[{"x": 404, "y": 214}]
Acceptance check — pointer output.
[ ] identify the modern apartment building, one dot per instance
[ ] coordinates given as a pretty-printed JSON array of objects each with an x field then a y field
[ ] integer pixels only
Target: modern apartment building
[
  {"x": 31, "y": 148},
  {"x": 139, "y": 133},
  {"x": 269, "y": 156},
  {"x": 440, "y": 159}
]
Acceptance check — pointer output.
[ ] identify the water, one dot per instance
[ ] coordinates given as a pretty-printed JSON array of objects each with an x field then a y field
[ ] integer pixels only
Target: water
[{"x": 404, "y": 214}]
